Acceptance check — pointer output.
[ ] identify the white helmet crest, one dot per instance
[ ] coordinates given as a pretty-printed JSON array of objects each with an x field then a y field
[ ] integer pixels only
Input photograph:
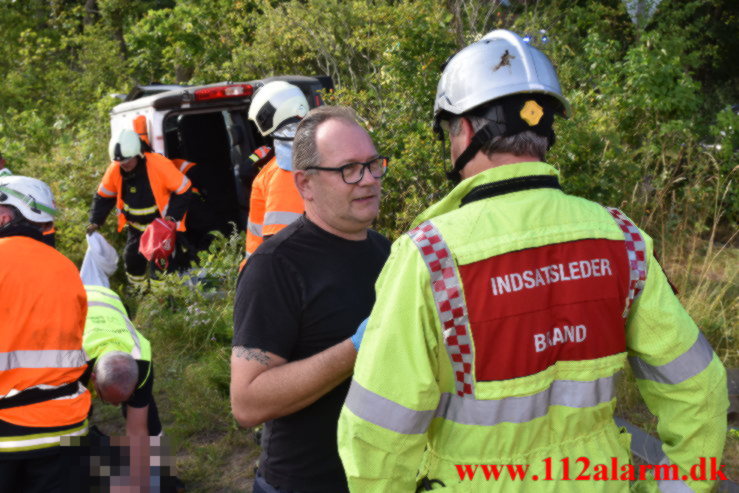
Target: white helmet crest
[
  {"x": 277, "y": 104},
  {"x": 500, "y": 64}
]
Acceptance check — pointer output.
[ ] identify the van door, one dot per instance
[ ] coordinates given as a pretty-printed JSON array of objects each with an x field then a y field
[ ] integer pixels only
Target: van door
[{"x": 243, "y": 139}]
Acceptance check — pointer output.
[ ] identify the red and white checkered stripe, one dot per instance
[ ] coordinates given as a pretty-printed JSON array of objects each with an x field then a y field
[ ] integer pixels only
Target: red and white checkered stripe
[
  {"x": 636, "y": 249},
  {"x": 450, "y": 303}
]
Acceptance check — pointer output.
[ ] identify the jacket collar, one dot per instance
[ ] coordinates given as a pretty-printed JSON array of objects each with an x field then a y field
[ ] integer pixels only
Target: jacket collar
[
  {"x": 21, "y": 230},
  {"x": 454, "y": 198}
]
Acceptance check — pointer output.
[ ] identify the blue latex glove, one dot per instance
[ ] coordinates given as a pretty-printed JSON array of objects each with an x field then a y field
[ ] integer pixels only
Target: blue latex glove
[{"x": 359, "y": 334}]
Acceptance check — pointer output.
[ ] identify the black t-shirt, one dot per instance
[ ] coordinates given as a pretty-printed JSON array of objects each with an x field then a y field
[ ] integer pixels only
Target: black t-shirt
[{"x": 303, "y": 291}]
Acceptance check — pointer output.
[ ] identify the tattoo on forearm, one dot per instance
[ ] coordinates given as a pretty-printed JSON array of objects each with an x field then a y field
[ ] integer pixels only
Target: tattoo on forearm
[{"x": 252, "y": 354}]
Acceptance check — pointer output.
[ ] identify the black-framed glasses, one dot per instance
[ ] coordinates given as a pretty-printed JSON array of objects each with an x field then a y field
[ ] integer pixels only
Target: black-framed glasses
[{"x": 353, "y": 173}]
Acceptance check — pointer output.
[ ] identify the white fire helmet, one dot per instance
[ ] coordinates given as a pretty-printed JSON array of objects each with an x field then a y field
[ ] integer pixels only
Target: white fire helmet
[
  {"x": 124, "y": 146},
  {"x": 277, "y": 104},
  {"x": 500, "y": 64},
  {"x": 32, "y": 197}
]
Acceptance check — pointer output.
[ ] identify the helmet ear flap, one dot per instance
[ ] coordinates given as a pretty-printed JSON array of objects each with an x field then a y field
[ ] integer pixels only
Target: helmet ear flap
[{"x": 265, "y": 117}]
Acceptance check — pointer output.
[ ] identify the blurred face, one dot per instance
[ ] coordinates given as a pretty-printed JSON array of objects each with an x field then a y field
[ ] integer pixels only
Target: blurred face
[
  {"x": 5, "y": 215},
  {"x": 129, "y": 164},
  {"x": 339, "y": 208}
]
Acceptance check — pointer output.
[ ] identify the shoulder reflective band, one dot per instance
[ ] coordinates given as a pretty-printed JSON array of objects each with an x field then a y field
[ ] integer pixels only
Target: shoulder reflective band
[
  {"x": 40, "y": 440},
  {"x": 254, "y": 228},
  {"x": 280, "y": 217},
  {"x": 636, "y": 250},
  {"x": 105, "y": 192},
  {"x": 102, "y": 291},
  {"x": 185, "y": 166},
  {"x": 464, "y": 410},
  {"x": 42, "y": 358},
  {"x": 183, "y": 186},
  {"x": 687, "y": 365},
  {"x": 450, "y": 303},
  {"x": 136, "y": 351}
]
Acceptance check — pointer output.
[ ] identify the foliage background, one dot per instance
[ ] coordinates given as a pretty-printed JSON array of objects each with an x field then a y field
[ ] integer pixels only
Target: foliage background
[{"x": 652, "y": 132}]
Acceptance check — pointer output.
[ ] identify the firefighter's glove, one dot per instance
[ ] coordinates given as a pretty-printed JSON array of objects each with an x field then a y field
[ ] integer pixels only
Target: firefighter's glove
[
  {"x": 359, "y": 334},
  {"x": 91, "y": 228}
]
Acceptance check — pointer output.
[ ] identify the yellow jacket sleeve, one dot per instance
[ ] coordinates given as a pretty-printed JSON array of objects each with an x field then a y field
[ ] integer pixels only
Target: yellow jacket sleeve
[
  {"x": 395, "y": 390},
  {"x": 680, "y": 377}
]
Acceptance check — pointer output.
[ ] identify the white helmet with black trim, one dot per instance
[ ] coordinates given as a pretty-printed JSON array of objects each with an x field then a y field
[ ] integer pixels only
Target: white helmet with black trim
[
  {"x": 32, "y": 197},
  {"x": 277, "y": 104},
  {"x": 494, "y": 78},
  {"x": 125, "y": 145}
]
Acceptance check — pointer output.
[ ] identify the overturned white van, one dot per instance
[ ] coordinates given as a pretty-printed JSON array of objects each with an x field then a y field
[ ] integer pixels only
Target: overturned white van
[{"x": 208, "y": 125}]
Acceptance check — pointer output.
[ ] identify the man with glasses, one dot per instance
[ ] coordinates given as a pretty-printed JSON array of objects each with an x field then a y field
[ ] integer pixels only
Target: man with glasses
[
  {"x": 505, "y": 316},
  {"x": 299, "y": 301}
]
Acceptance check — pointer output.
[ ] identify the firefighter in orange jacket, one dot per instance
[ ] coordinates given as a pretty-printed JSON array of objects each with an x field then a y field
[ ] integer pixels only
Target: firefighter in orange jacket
[
  {"x": 142, "y": 186},
  {"x": 42, "y": 318},
  {"x": 275, "y": 202}
]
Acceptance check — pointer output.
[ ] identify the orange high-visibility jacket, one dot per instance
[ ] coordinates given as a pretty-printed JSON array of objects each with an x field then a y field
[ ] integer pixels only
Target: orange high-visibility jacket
[
  {"x": 164, "y": 177},
  {"x": 274, "y": 203},
  {"x": 43, "y": 306}
]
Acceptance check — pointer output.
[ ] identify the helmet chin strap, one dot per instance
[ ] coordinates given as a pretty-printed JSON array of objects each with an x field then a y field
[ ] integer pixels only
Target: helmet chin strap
[{"x": 481, "y": 137}]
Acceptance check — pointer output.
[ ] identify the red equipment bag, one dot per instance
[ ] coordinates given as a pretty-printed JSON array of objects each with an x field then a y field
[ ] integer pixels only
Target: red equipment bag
[{"x": 158, "y": 241}]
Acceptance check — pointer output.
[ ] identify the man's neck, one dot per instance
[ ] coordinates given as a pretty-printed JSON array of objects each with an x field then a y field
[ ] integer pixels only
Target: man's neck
[
  {"x": 352, "y": 236},
  {"x": 481, "y": 162}
]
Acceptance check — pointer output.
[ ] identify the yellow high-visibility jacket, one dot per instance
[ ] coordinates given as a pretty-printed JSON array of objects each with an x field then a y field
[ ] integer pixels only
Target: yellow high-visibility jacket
[{"x": 501, "y": 323}]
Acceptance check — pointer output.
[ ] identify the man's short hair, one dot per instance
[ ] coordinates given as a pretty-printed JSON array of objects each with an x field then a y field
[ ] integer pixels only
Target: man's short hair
[
  {"x": 520, "y": 144},
  {"x": 117, "y": 372},
  {"x": 305, "y": 149}
]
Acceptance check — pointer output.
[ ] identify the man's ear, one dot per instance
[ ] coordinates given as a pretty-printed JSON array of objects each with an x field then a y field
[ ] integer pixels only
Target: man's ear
[
  {"x": 467, "y": 132},
  {"x": 304, "y": 184}
]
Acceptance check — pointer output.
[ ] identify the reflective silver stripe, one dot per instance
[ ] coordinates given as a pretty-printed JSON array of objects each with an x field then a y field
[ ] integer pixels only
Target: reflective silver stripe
[
  {"x": 568, "y": 393},
  {"x": 687, "y": 365},
  {"x": 469, "y": 411},
  {"x": 136, "y": 352},
  {"x": 386, "y": 413},
  {"x": 254, "y": 228},
  {"x": 450, "y": 305},
  {"x": 673, "y": 486},
  {"x": 40, "y": 440},
  {"x": 280, "y": 217},
  {"x": 42, "y": 358},
  {"x": 183, "y": 186},
  {"x": 185, "y": 165},
  {"x": 140, "y": 212},
  {"x": 104, "y": 191}
]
